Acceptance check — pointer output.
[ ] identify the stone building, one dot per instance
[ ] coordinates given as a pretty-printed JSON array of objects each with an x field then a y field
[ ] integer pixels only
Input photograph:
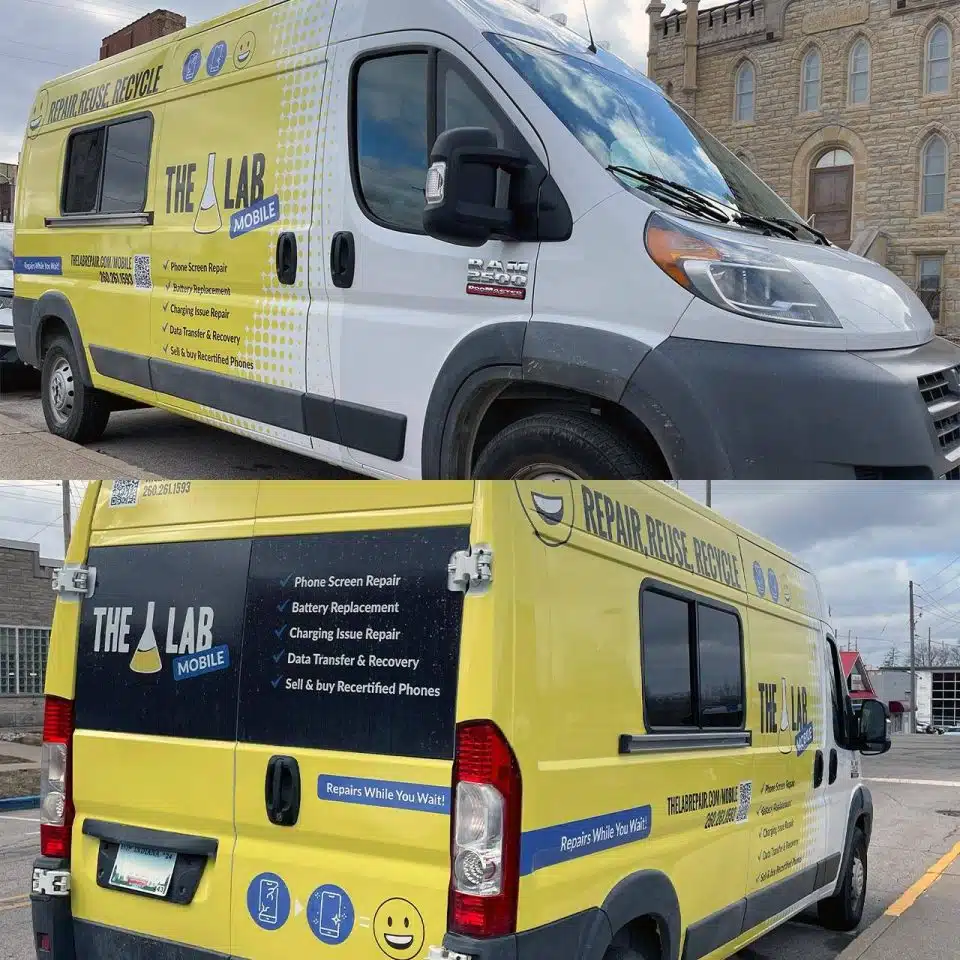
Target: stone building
[
  {"x": 849, "y": 109},
  {"x": 27, "y": 602}
]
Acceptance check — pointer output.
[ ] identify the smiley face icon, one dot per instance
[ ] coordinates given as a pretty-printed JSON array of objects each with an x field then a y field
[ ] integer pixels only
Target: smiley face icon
[
  {"x": 398, "y": 929},
  {"x": 39, "y": 112},
  {"x": 246, "y": 47}
]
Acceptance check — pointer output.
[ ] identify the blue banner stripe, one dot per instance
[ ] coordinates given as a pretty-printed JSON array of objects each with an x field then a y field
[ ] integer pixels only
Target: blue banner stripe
[
  {"x": 38, "y": 266},
  {"x": 384, "y": 793},
  {"x": 567, "y": 841}
]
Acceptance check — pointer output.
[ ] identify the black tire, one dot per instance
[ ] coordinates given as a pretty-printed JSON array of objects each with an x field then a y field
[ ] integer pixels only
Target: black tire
[
  {"x": 72, "y": 410},
  {"x": 844, "y": 910},
  {"x": 572, "y": 445},
  {"x": 631, "y": 944}
]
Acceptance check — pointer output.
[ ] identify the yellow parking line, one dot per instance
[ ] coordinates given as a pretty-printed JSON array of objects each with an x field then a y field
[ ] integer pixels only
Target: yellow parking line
[{"x": 910, "y": 895}]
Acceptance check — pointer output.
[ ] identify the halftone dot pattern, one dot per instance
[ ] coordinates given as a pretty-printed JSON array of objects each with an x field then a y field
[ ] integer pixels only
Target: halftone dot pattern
[{"x": 275, "y": 342}]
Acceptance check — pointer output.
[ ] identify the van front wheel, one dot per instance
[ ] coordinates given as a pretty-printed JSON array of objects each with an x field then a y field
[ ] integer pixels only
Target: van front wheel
[
  {"x": 562, "y": 445},
  {"x": 844, "y": 910},
  {"x": 72, "y": 410}
]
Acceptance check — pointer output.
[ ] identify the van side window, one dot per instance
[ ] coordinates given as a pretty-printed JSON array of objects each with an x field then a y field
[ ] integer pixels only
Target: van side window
[
  {"x": 836, "y": 700},
  {"x": 721, "y": 676},
  {"x": 402, "y": 102},
  {"x": 692, "y": 662},
  {"x": 107, "y": 168},
  {"x": 391, "y": 138},
  {"x": 666, "y": 633}
]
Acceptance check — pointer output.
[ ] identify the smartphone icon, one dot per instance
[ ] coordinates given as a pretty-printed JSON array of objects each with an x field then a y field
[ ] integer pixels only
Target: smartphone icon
[
  {"x": 269, "y": 909},
  {"x": 330, "y": 914}
]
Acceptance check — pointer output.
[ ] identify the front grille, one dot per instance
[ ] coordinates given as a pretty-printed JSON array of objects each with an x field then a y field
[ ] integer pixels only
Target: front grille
[{"x": 941, "y": 395}]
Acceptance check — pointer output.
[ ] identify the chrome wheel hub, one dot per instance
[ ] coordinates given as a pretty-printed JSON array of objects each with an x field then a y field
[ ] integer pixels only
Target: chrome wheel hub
[{"x": 858, "y": 879}]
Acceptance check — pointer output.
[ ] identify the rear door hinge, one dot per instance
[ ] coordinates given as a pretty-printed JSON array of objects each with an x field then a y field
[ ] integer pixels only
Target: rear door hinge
[
  {"x": 470, "y": 571},
  {"x": 74, "y": 582}
]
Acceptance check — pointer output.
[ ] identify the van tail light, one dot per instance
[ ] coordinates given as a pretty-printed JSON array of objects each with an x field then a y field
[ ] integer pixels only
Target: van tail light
[
  {"x": 485, "y": 836},
  {"x": 56, "y": 789}
]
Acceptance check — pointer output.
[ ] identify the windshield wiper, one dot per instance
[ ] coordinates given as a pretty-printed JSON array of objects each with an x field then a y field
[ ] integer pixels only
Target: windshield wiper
[
  {"x": 675, "y": 193},
  {"x": 770, "y": 225},
  {"x": 822, "y": 238}
]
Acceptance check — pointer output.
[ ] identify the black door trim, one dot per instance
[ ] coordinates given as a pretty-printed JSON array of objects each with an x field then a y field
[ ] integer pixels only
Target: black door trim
[
  {"x": 381, "y": 433},
  {"x": 144, "y": 837}
]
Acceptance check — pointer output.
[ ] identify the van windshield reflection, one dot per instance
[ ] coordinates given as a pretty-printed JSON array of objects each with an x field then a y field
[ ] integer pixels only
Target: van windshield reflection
[{"x": 626, "y": 121}]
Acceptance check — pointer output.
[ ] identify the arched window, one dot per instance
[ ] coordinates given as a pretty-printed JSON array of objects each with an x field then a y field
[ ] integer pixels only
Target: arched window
[
  {"x": 835, "y": 158},
  {"x": 745, "y": 92},
  {"x": 934, "y": 181},
  {"x": 937, "y": 60},
  {"x": 810, "y": 86},
  {"x": 859, "y": 84}
]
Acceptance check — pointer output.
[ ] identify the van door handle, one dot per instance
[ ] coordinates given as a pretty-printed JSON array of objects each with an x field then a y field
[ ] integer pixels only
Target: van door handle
[
  {"x": 834, "y": 763},
  {"x": 343, "y": 260},
  {"x": 282, "y": 791},
  {"x": 818, "y": 768},
  {"x": 287, "y": 259}
]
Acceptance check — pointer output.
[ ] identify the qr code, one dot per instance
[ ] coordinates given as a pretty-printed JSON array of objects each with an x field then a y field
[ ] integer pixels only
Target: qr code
[
  {"x": 141, "y": 273},
  {"x": 125, "y": 493},
  {"x": 743, "y": 804}
]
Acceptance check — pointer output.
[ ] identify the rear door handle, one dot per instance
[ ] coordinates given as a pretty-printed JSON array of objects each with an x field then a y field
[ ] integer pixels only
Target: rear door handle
[
  {"x": 818, "y": 768},
  {"x": 834, "y": 763},
  {"x": 282, "y": 791},
  {"x": 343, "y": 260},
  {"x": 287, "y": 259}
]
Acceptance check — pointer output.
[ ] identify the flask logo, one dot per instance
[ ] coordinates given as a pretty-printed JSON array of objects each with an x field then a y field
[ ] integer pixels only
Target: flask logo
[
  {"x": 146, "y": 658},
  {"x": 209, "y": 219}
]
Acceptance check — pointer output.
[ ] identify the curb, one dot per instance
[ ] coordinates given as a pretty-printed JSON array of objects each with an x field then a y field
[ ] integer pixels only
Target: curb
[
  {"x": 19, "y": 803},
  {"x": 867, "y": 938}
]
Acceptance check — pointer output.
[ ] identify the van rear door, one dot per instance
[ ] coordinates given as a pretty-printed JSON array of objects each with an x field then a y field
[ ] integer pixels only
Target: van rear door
[
  {"x": 347, "y": 720},
  {"x": 157, "y": 682}
]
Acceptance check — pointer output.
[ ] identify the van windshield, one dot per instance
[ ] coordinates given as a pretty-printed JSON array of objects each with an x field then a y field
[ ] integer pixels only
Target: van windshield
[{"x": 625, "y": 120}]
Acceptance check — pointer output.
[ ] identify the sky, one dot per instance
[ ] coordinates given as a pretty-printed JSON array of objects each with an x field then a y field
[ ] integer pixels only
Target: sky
[
  {"x": 44, "y": 39},
  {"x": 865, "y": 541}
]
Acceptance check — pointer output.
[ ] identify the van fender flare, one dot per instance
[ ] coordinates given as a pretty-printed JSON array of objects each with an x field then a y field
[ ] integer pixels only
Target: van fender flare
[
  {"x": 646, "y": 893},
  {"x": 587, "y": 360},
  {"x": 861, "y": 805},
  {"x": 55, "y": 304}
]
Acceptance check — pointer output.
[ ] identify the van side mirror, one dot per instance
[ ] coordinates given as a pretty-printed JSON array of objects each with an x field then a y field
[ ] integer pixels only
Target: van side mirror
[
  {"x": 461, "y": 191},
  {"x": 873, "y": 737}
]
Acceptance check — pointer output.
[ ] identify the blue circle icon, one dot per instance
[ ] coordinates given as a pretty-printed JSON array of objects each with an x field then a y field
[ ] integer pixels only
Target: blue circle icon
[
  {"x": 217, "y": 58},
  {"x": 758, "y": 578},
  {"x": 774, "y": 586},
  {"x": 330, "y": 914},
  {"x": 191, "y": 66},
  {"x": 268, "y": 901}
]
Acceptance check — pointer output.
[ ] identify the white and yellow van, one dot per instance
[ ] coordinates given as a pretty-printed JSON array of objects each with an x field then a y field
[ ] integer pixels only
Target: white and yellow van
[
  {"x": 450, "y": 239},
  {"x": 544, "y": 719}
]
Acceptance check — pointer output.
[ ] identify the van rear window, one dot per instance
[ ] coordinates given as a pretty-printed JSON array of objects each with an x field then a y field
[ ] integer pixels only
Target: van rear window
[{"x": 346, "y": 641}]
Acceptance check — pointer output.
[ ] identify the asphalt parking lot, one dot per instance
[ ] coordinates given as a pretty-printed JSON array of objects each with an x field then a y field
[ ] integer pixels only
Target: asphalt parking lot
[
  {"x": 174, "y": 447},
  {"x": 916, "y": 794}
]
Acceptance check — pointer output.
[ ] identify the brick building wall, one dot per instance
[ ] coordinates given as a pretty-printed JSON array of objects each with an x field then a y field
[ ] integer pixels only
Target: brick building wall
[
  {"x": 886, "y": 136},
  {"x": 154, "y": 25},
  {"x": 26, "y": 595}
]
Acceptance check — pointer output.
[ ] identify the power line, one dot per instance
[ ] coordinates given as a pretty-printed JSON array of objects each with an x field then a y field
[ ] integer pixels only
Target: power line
[
  {"x": 937, "y": 574},
  {"x": 36, "y": 46},
  {"x": 87, "y": 6}
]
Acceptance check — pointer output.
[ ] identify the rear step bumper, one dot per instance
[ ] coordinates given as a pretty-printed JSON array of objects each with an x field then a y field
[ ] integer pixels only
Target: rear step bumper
[{"x": 584, "y": 936}]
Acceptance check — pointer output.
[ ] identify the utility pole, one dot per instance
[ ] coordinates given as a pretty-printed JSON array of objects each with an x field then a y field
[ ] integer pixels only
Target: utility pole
[
  {"x": 849, "y": 632},
  {"x": 929, "y": 649},
  {"x": 66, "y": 516},
  {"x": 913, "y": 666},
  {"x": 709, "y": 493}
]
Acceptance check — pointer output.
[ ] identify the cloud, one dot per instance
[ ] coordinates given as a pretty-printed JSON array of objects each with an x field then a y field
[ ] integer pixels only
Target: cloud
[{"x": 32, "y": 512}]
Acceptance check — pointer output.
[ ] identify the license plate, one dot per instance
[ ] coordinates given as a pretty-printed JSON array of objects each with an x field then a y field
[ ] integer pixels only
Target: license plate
[{"x": 143, "y": 870}]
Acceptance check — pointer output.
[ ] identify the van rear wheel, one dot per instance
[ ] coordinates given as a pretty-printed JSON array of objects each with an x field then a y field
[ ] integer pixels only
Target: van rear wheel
[
  {"x": 72, "y": 410},
  {"x": 844, "y": 910},
  {"x": 571, "y": 446}
]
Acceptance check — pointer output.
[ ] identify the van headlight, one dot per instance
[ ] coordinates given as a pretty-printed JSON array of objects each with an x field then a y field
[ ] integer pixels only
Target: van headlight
[{"x": 735, "y": 276}]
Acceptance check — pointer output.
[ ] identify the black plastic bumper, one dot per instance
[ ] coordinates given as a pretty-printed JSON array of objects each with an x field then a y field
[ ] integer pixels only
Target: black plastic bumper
[
  {"x": 52, "y": 919},
  {"x": 732, "y": 411},
  {"x": 580, "y": 937}
]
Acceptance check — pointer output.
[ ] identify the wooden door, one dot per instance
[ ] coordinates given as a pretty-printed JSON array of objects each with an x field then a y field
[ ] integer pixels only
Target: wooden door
[{"x": 831, "y": 200}]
